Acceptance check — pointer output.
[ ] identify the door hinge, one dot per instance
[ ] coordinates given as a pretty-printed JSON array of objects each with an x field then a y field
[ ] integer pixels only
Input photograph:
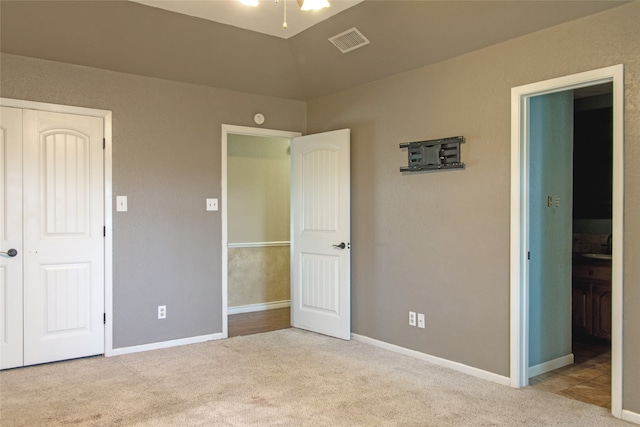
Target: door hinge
[
  {"x": 104, "y": 231},
  {"x": 528, "y": 255},
  {"x": 104, "y": 319},
  {"x": 104, "y": 143}
]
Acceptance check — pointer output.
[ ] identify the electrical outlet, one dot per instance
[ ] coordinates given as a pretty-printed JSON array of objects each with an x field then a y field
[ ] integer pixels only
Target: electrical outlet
[
  {"x": 412, "y": 318},
  {"x": 420, "y": 320},
  {"x": 212, "y": 204},
  {"x": 162, "y": 312}
]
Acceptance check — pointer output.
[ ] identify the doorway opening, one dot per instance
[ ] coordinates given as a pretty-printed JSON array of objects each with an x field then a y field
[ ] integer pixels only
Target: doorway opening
[
  {"x": 255, "y": 224},
  {"x": 588, "y": 378},
  {"x": 319, "y": 232},
  {"x": 258, "y": 226},
  {"x": 521, "y": 220}
]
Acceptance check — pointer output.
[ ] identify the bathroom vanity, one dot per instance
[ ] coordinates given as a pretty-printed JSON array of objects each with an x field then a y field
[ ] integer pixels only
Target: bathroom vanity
[{"x": 591, "y": 295}]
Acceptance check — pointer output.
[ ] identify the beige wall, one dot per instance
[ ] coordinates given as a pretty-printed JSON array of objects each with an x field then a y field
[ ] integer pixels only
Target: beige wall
[
  {"x": 258, "y": 275},
  {"x": 166, "y": 159},
  {"x": 438, "y": 243},
  {"x": 258, "y": 212},
  {"x": 257, "y": 189}
]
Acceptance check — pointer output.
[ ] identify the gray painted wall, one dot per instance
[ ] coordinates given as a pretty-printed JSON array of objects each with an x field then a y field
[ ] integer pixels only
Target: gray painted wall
[
  {"x": 166, "y": 159},
  {"x": 438, "y": 243}
]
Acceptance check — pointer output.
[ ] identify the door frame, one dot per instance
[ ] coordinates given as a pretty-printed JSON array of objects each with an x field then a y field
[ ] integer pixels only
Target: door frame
[
  {"x": 235, "y": 130},
  {"x": 519, "y": 244},
  {"x": 106, "y": 115}
]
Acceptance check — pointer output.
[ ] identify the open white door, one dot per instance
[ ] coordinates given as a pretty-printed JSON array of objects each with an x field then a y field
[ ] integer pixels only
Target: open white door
[{"x": 321, "y": 233}]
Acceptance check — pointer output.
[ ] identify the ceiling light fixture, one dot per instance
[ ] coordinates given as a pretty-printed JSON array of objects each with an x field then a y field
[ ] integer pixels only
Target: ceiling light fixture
[
  {"x": 304, "y": 5},
  {"x": 313, "y": 4}
]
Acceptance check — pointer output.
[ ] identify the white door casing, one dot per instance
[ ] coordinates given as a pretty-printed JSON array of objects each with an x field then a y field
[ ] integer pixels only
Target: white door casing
[
  {"x": 519, "y": 220},
  {"x": 320, "y": 225},
  {"x": 11, "y": 238}
]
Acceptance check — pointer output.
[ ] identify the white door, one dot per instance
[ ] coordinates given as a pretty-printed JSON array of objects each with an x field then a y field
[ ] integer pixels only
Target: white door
[
  {"x": 321, "y": 233},
  {"x": 10, "y": 237},
  {"x": 63, "y": 247}
]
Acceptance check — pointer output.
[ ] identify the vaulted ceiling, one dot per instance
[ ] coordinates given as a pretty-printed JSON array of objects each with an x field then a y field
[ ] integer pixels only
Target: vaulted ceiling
[
  {"x": 267, "y": 18},
  {"x": 135, "y": 38}
]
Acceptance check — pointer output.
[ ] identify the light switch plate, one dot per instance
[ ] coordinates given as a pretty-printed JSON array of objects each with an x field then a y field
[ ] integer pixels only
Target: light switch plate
[
  {"x": 121, "y": 203},
  {"x": 212, "y": 204},
  {"x": 421, "y": 320}
]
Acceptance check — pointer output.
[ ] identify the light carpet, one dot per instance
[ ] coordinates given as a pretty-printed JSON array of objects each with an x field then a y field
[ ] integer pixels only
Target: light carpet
[{"x": 287, "y": 377}]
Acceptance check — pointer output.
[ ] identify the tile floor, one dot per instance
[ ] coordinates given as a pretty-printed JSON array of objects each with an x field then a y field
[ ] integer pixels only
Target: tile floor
[{"x": 587, "y": 380}]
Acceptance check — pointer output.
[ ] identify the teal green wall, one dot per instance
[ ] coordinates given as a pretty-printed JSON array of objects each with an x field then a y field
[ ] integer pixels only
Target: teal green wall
[{"x": 551, "y": 171}]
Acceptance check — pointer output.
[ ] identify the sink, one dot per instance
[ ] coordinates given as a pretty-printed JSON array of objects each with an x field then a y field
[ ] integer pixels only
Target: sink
[{"x": 597, "y": 256}]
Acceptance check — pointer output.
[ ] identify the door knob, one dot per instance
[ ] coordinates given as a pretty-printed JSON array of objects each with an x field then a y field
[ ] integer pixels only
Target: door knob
[
  {"x": 13, "y": 252},
  {"x": 340, "y": 246}
]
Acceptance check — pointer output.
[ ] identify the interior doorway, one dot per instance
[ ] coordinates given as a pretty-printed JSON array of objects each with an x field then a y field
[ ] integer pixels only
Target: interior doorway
[
  {"x": 255, "y": 218},
  {"x": 258, "y": 192},
  {"x": 521, "y": 227},
  {"x": 586, "y": 234},
  {"x": 320, "y": 229}
]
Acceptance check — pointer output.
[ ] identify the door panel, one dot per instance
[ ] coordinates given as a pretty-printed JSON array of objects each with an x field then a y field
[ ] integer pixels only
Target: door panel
[
  {"x": 67, "y": 298},
  {"x": 11, "y": 237},
  {"x": 66, "y": 182},
  {"x": 320, "y": 222},
  {"x": 64, "y": 253},
  {"x": 319, "y": 283}
]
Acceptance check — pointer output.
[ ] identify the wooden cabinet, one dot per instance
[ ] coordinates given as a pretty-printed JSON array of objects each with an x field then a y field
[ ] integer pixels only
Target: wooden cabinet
[
  {"x": 581, "y": 304},
  {"x": 591, "y": 300},
  {"x": 601, "y": 295}
]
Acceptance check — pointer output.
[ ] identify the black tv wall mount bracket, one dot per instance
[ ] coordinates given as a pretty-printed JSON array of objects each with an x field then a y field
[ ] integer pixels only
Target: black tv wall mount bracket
[{"x": 434, "y": 154}]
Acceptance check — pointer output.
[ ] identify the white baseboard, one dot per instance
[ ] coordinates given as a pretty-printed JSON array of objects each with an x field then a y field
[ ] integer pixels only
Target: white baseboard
[
  {"x": 550, "y": 365},
  {"x": 632, "y": 417},
  {"x": 164, "y": 344},
  {"x": 201, "y": 338},
  {"x": 456, "y": 366},
  {"x": 258, "y": 307}
]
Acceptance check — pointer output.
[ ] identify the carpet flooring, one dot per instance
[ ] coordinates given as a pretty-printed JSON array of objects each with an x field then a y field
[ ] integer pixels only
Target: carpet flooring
[{"x": 287, "y": 377}]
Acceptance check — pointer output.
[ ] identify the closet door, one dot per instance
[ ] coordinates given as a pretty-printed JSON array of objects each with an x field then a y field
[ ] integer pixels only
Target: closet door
[
  {"x": 63, "y": 236},
  {"x": 51, "y": 237},
  {"x": 10, "y": 238}
]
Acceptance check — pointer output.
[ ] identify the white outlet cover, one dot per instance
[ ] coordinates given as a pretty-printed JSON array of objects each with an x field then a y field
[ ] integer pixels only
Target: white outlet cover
[{"x": 412, "y": 318}]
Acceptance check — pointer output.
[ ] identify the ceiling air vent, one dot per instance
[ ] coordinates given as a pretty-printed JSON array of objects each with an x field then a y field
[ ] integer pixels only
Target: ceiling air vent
[{"x": 349, "y": 40}]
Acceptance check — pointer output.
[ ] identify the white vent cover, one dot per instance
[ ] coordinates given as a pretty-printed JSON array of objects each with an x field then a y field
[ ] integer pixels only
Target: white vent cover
[{"x": 349, "y": 40}]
